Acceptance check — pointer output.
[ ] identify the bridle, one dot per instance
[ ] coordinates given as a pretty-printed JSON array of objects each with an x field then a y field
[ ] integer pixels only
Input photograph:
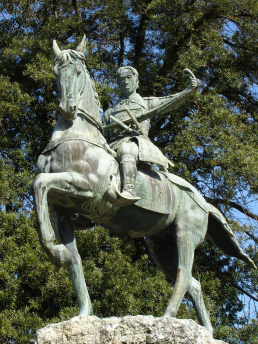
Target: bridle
[{"x": 82, "y": 111}]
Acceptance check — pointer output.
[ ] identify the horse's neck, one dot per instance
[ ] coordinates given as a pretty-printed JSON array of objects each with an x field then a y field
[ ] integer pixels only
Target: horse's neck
[
  {"x": 80, "y": 127},
  {"x": 86, "y": 126}
]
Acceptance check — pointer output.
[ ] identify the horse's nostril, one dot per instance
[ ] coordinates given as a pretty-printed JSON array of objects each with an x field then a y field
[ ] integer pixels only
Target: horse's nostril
[
  {"x": 61, "y": 108},
  {"x": 73, "y": 107}
]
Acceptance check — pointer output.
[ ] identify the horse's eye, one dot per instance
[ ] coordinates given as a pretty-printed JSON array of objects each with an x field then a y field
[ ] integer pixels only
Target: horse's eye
[{"x": 79, "y": 72}]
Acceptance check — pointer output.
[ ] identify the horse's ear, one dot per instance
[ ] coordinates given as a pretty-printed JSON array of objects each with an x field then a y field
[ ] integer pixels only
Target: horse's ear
[
  {"x": 82, "y": 46},
  {"x": 56, "y": 48}
]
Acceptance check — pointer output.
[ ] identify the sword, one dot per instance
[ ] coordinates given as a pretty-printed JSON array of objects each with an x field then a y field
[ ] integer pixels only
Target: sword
[
  {"x": 121, "y": 124},
  {"x": 133, "y": 119}
]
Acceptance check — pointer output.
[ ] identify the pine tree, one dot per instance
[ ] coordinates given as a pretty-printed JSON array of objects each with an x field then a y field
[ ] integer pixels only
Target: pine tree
[{"x": 212, "y": 141}]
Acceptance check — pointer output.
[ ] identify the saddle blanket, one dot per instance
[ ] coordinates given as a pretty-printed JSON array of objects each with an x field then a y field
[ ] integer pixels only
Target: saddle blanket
[
  {"x": 155, "y": 192},
  {"x": 192, "y": 192}
]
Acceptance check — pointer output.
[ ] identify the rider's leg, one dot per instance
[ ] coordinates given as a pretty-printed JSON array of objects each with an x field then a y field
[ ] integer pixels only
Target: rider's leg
[{"x": 127, "y": 155}]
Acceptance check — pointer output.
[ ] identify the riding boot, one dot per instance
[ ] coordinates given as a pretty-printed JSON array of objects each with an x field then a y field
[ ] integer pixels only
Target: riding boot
[
  {"x": 128, "y": 176},
  {"x": 127, "y": 155}
]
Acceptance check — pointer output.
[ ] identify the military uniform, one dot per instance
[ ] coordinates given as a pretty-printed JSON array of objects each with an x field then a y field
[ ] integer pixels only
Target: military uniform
[
  {"x": 148, "y": 152},
  {"x": 132, "y": 144}
]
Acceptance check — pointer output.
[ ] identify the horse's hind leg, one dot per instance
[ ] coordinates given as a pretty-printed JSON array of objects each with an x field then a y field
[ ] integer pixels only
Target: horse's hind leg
[
  {"x": 173, "y": 254},
  {"x": 195, "y": 294},
  {"x": 185, "y": 250},
  {"x": 185, "y": 283},
  {"x": 64, "y": 230},
  {"x": 190, "y": 228}
]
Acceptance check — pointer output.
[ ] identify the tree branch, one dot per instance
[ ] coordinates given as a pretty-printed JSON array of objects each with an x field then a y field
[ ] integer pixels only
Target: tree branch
[
  {"x": 245, "y": 292},
  {"x": 190, "y": 3},
  {"x": 55, "y": 2},
  {"x": 251, "y": 236},
  {"x": 122, "y": 49},
  {"x": 233, "y": 205},
  {"x": 77, "y": 10},
  {"x": 211, "y": 14},
  {"x": 140, "y": 36},
  {"x": 209, "y": 85},
  {"x": 229, "y": 92},
  {"x": 235, "y": 45}
]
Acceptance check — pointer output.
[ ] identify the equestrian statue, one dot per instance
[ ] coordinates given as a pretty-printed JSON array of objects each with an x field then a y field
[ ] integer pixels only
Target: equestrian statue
[{"x": 113, "y": 181}]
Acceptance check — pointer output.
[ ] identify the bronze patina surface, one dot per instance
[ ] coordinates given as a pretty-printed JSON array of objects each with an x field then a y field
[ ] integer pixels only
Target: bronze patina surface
[{"x": 76, "y": 170}]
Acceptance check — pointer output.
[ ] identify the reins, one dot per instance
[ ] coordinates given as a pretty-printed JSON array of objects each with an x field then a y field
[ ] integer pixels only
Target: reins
[
  {"x": 84, "y": 112},
  {"x": 89, "y": 116}
]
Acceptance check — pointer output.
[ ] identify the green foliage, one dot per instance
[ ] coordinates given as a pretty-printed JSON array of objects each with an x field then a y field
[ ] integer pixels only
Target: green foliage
[
  {"x": 212, "y": 140},
  {"x": 34, "y": 293}
]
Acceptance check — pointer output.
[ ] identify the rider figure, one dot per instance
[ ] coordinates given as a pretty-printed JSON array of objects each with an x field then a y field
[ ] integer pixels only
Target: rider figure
[{"x": 132, "y": 144}]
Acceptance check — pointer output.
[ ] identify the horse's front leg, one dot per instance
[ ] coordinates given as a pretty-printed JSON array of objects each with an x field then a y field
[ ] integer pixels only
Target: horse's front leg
[
  {"x": 70, "y": 183},
  {"x": 64, "y": 230}
]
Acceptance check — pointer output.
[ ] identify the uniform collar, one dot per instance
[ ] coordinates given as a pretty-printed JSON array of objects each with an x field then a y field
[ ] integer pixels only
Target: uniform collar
[{"x": 135, "y": 98}]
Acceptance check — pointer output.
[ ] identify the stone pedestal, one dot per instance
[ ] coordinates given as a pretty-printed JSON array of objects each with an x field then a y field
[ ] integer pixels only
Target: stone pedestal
[{"x": 126, "y": 330}]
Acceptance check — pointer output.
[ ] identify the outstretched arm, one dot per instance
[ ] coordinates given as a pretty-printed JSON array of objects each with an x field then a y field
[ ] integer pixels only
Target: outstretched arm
[
  {"x": 162, "y": 105},
  {"x": 174, "y": 101}
]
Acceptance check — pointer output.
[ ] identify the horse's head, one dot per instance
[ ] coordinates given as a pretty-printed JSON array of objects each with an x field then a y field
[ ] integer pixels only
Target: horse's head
[{"x": 76, "y": 89}]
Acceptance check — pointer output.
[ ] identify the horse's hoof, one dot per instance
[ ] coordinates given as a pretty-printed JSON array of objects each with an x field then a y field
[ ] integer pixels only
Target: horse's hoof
[
  {"x": 169, "y": 314},
  {"x": 86, "y": 312}
]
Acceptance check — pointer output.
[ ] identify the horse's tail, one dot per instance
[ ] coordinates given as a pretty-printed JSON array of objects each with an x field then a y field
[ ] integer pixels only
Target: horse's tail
[{"x": 223, "y": 237}]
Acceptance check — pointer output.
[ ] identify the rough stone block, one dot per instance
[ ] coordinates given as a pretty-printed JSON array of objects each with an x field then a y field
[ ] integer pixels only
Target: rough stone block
[{"x": 126, "y": 330}]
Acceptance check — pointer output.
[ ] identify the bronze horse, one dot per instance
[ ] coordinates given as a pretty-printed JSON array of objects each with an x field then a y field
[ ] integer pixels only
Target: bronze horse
[{"x": 74, "y": 173}]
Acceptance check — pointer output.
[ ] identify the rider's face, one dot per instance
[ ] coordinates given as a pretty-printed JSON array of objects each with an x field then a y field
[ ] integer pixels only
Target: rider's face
[{"x": 128, "y": 83}]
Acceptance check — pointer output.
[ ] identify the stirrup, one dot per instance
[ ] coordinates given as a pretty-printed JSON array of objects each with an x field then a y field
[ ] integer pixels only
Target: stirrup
[{"x": 117, "y": 198}]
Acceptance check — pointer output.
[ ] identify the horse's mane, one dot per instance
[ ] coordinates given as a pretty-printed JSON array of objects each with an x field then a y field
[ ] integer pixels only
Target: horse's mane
[{"x": 65, "y": 57}]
